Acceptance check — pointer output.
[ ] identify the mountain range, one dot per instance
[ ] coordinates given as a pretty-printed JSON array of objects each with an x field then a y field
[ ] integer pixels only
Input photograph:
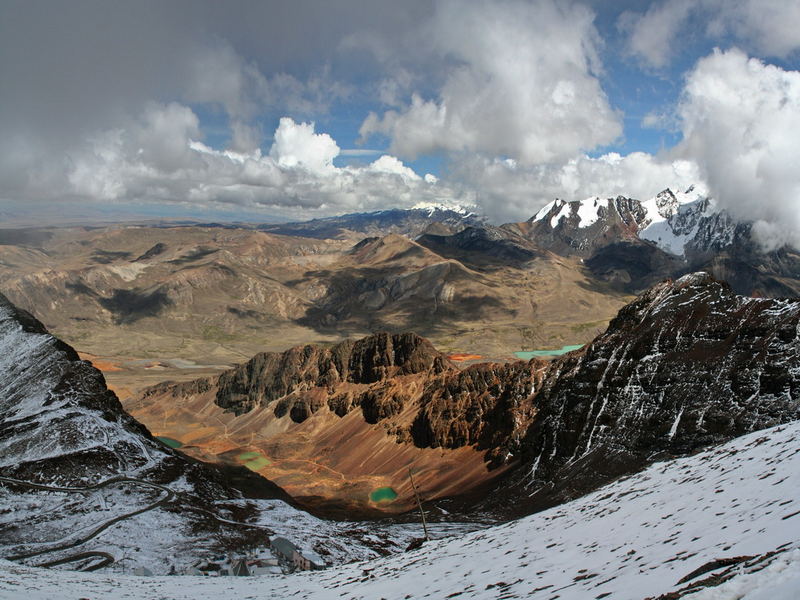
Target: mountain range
[{"x": 281, "y": 361}]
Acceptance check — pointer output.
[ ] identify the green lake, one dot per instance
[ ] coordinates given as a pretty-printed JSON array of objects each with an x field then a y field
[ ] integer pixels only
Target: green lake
[
  {"x": 383, "y": 494},
  {"x": 559, "y": 352},
  {"x": 169, "y": 442}
]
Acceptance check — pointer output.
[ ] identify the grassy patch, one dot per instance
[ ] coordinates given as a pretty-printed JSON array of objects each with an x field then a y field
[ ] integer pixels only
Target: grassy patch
[{"x": 254, "y": 461}]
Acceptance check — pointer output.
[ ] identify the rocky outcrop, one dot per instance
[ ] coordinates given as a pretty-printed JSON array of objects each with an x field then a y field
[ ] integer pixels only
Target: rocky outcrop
[
  {"x": 271, "y": 376},
  {"x": 487, "y": 405}
]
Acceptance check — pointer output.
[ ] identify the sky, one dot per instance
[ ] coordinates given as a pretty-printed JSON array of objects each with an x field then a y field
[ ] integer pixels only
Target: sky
[{"x": 261, "y": 110}]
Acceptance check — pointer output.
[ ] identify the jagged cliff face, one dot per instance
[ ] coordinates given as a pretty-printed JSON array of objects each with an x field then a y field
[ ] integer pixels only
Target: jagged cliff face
[
  {"x": 271, "y": 376},
  {"x": 688, "y": 364},
  {"x": 331, "y": 425}
]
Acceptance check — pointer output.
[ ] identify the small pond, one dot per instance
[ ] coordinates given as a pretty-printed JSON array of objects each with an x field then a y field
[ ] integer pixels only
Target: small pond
[
  {"x": 559, "y": 352},
  {"x": 169, "y": 441},
  {"x": 383, "y": 494}
]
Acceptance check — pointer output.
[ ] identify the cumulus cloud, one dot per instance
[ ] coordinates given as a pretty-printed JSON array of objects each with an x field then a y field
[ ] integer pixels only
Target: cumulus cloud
[
  {"x": 765, "y": 27},
  {"x": 740, "y": 119},
  {"x": 520, "y": 82},
  {"x": 159, "y": 157},
  {"x": 296, "y": 145},
  {"x": 770, "y": 27}
]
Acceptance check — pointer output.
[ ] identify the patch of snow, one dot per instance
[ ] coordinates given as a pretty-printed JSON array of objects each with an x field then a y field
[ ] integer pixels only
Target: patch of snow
[
  {"x": 673, "y": 218},
  {"x": 589, "y": 211},
  {"x": 674, "y": 429},
  {"x": 542, "y": 213},
  {"x": 433, "y": 207},
  {"x": 128, "y": 272},
  {"x": 564, "y": 212}
]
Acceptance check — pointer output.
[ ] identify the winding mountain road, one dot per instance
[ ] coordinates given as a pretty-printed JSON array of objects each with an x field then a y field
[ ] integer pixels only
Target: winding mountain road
[{"x": 167, "y": 496}]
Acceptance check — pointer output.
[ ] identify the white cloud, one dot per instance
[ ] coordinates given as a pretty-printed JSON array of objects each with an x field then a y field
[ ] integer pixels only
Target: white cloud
[
  {"x": 158, "y": 158},
  {"x": 765, "y": 27},
  {"x": 519, "y": 83},
  {"x": 740, "y": 120},
  {"x": 771, "y": 27},
  {"x": 218, "y": 75},
  {"x": 296, "y": 145},
  {"x": 655, "y": 34},
  {"x": 391, "y": 165}
]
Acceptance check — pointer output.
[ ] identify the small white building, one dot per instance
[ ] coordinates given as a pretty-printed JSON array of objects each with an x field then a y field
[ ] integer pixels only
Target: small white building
[{"x": 308, "y": 560}]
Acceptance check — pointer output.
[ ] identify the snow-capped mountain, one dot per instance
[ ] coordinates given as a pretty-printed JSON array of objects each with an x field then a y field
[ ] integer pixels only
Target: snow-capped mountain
[
  {"x": 635, "y": 243},
  {"x": 669, "y": 220},
  {"x": 723, "y": 524},
  {"x": 409, "y": 222}
]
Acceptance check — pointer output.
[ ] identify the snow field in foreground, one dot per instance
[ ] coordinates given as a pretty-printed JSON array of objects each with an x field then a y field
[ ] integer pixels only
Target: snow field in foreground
[{"x": 634, "y": 538}]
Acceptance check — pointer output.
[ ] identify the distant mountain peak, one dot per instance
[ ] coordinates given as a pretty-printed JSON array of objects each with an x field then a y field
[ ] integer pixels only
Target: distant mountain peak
[{"x": 432, "y": 208}]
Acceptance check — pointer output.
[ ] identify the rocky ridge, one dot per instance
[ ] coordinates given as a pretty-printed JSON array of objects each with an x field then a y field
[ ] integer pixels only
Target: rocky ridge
[{"x": 409, "y": 222}]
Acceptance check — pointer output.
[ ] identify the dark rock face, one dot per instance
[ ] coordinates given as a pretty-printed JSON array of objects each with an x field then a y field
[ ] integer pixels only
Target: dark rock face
[
  {"x": 381, "y": 403},
  {"x": 271, "y": 376},
  {"x": 486, "y": 405},
  {"x": 686, "y": 365}
]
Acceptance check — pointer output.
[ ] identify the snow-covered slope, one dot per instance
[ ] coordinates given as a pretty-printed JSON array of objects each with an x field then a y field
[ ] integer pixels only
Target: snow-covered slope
[
  {"x": 84, "y": 484},
  {"x": 729, "y": 516}
]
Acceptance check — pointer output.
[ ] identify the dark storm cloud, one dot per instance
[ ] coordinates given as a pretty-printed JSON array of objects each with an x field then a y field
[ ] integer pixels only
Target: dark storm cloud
[{"x": 67, "y": 66}]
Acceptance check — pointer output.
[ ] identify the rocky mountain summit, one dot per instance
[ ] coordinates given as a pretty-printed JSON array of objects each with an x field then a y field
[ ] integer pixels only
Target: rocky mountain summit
[
  {"x": 635, "y": 243},
  {"x": 686, "y": 365},
  {"x": 271, "y": 376}
]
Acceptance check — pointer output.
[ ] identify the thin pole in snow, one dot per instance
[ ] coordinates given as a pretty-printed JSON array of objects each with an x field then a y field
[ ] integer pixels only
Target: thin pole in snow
[{"x": 419, "y": 503}]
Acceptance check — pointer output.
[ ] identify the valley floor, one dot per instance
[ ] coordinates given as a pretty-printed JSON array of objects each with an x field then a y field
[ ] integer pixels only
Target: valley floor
[{"x": 727, "y": 516}]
